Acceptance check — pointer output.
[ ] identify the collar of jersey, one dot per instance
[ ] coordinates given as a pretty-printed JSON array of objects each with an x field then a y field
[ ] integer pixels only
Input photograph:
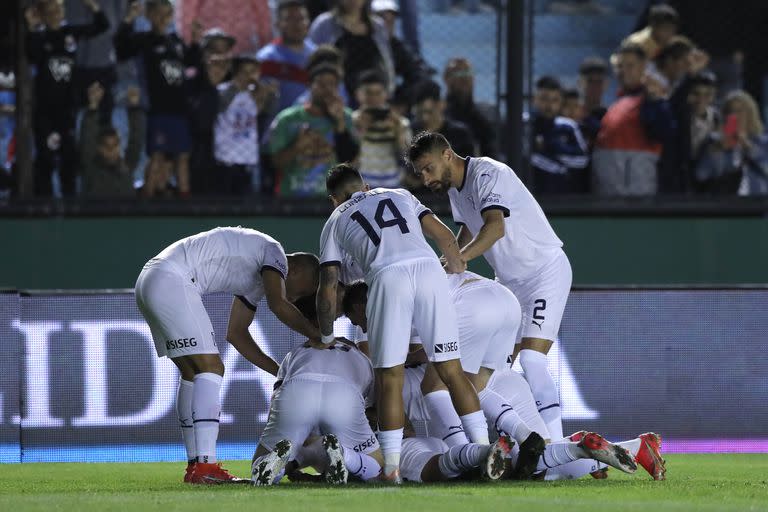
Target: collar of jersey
[{"x": 466, "y": 169}]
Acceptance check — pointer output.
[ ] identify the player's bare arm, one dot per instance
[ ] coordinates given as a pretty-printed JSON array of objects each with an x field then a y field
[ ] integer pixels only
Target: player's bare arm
[
  {"x": 240, "y": 318},
  {"x": 326, "y": 301},
  {"x": 489, "y": 234},
  {"x": 446, "y": 241},
  {"x": 464, "y": 237},
  {"x": 274, "y": 289}
]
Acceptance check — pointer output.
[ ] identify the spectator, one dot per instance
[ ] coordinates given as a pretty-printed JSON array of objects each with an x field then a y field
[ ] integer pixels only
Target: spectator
[
  {"x": 284, "y": 60},
  {"x": 593, "y": 82},
  {"x": 460, "y": 82},
  {"x": 236, "y": 134},
  {"x": 361, "y": 37},
  {"x": 572, "y": 107},
  {"x": 106, "y": 173},
  {"x": 7, "y": 123},
  {"x": 705, "y": 119},
  {"x": 305, "y": 140},
  {"x": 325, "y": 54},
  {"x": 734, "y": 160},
  {"x": 429, "y": 113},
  {"x": 673, "y": 61},
  {"x": 203, "y": 110},
  {"x": 559, "y": 154},
  {"x": 663, "y": 23},
  {"x": 164, "y": 56},
  {"x": 217, "y": 41},
  {"x": 248, "y": 21},
  {"x": 632, "y": 131},
  {"x": 51, "y": 47},
  {"x": 384, "y": 135}
]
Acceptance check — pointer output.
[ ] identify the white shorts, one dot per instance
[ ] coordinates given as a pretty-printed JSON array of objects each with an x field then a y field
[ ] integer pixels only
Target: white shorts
[
  {"x": 488, "y": 316},
  {"x": 173, "y": 308},
  {"x": 515, "y": 389},
  {"x": 413, "y": 293},
  {"x": 300, "y": 406},
  {"x": 543, "y": 297},
  {"x": 416, "y": 452}
]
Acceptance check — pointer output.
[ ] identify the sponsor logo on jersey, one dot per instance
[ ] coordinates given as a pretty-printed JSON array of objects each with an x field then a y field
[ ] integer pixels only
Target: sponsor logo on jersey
[
  {"x": 180, "y": 343},
  {"x": 369, "y": 443},
  {"x": 492, "y": 198},
  {"x": 444, "y": 348},
  {"x": 280, "y": 265}
]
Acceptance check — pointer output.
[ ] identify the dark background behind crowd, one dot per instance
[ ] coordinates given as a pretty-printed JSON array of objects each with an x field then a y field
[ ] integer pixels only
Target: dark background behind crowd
[{"x": 200, "y": 98}]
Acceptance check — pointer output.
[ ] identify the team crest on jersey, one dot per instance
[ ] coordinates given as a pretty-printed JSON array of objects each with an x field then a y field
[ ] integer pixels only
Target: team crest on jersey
[
  {"x": 70, "y": 43},
  {"x": 61, "y": 68},
  {"x": 172, "y": 72}
]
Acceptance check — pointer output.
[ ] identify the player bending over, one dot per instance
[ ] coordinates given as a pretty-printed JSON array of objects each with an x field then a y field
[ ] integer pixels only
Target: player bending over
[
  {"x": 382, "y": 230},
  {"x": 247, "y": 263},
  {"x": 500, "y": 220}
]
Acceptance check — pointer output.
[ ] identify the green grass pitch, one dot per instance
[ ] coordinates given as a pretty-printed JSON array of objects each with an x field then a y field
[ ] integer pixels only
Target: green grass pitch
[{"x": 695, "y": 482}]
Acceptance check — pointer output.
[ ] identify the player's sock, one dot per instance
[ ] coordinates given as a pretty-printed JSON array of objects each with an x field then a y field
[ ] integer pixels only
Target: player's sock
[
  {"x": 544, "y": 390},
  {"x": 444, "y": 422},
  {"x": 391, "y": 442},
  {"x": 313, "y": 455},
  {"x": 184, "y": 412},
  {"x": 573, "y": 470},
  {"x": 361, "y": 465},
  {"x": 501, "y": 416},
  {"x": 459, "y": 459},
  {"x": 632, "y": 446},
  {"x": 206, "y": 407},
  {"x": 476, "y": 427},
  {"x": 559, "y": 453}
]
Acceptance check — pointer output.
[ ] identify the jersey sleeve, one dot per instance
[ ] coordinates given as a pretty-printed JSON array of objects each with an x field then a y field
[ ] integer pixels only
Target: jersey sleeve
[
  {"x": 330, "y": 252},
  {"x": 419, "y": 208},
  {"x": 275, "y": 259},
  {"x": 494, "y": 190}
]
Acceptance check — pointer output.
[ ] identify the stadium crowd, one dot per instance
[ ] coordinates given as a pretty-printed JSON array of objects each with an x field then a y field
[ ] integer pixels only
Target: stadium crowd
[{"x": 234, "y": 107}]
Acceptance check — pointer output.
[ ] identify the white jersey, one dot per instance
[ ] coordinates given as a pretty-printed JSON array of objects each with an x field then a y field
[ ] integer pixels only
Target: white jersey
[
  {"x": 376, "y": 229},
  {"x": 228, "y": 260},
  {"x": 529, "y": 241},
  {"x": 236, "y": 135},
  {"x": 338, "y": 363}
]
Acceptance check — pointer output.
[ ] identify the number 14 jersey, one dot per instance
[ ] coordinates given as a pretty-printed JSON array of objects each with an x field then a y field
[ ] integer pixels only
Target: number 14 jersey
[{"x": 377, "y": 228}]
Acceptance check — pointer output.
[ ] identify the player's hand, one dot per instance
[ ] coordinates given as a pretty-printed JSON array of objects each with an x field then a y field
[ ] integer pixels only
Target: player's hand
[
  {"x": 454, "y": 266},
  {"x": 95, "y": 95},
  {"x": 32, "y": 15},
  {"x": 134, "y": 11}
]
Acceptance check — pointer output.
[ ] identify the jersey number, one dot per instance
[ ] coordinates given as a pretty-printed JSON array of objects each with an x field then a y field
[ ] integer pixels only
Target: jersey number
[{"x": 396, "y": 220}]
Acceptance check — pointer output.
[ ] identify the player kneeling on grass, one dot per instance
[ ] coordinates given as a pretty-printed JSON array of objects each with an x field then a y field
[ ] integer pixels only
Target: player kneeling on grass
[
  {"x": 327, "y": 389},
  {"x": 247, "y": 263}
]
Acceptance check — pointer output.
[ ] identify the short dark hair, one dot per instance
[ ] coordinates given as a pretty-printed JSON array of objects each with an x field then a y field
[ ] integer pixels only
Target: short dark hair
[
  {"x": 593, "y": 65},
  {"x": 107, "y": 131},
  {"x": 663, "y": 13},
  {"x": 549, "y": 83},
  {"x": 678, "y": 47},
  {"x": 372, "y": 76},
  {"x": 426, "y": 90},
  {"x": 355, "y": 293},
  {"x": 242, "y": 59},
  {"x": 340, "y": 176},
  {"x": 152, "y": 4},
  {"x": 703, "y": 78},
  {"x": 323, "y": 54},
  {"x": 322, "y": 69},
  {"x": 632, "y": 49},
  {"x": 286, "y": 4},
  {"x": 571, "y": 94},
  {"x": 305, "y": 261},
  {"x": 426, "y": 142}
]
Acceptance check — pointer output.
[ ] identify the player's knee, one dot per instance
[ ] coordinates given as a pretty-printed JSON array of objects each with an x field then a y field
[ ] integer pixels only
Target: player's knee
[
  {"x": 450, "y": 370},
  {"x": 209, "y": 363}
]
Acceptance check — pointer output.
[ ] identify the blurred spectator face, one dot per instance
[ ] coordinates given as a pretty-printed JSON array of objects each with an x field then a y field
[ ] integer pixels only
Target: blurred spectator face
[
  {"x": 459, "y": 78},
  {"x": 548, "y": 102},
  {"x": 323, "y": 89},
  {"x": 293, "y": 24},
  {"x": 630, "y": 69},
  {"x": 52, "y": 13},
  {"x": 248, "y": 73},
  {"x": 109, "y": 149},
  {"x": 663, "y": 32},
  {"x": 218, "y": 45},
  {"x": 372, "y": 96},
  {"x": 160, "y": 16},
  {"x": 572, "y": 108},
  {"x": 593, "y": 87},
  {"x": 430, "y": 114},
  {"x": 701, "y": 98},
  {"x": 389, "y": 18},
  {"x": 675, "y": 68},
  {"x": 216, "y": 68}
]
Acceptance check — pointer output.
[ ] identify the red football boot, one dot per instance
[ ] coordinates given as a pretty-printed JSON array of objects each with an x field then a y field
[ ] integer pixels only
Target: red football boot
[
  {"x": 188, "y": 474},
  {"x": 649, "y": 455},
  {"x": 600, "y": 474},
  {"x": 212, "y": 474},
  {"x": 600, "y": 449}
]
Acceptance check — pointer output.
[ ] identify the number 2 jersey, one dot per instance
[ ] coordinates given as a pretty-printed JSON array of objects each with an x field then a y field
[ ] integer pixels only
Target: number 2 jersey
[{"x": 376, "y": 229}]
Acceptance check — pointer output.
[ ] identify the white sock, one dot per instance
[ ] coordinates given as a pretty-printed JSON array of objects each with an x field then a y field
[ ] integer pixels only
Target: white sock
[
  {"x": 501, "y": 416},
  {"x": 361, "y": 465},
  {"x": 459, "y": 459},
  {"x": 544, "y": 390},
  {"x": 476, "y": 427},
  {"x": 632, "y": 446},
  {"x": 557, "y": 454},
  {"x": 573, "y": 470},
  {"x": 313, "y": 455},
  {"x": 184, "y": 412},
  {"x": 391, "y": 442},
  {"x": 444, "y": 422},
  {"x": 206, "y": 408}
]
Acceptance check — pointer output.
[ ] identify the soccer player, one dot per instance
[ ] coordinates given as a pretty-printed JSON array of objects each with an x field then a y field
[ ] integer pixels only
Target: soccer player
[
  {"x": 247, "y": 263},
  {"x": 382, "y": 230},
  {"x": 329, "y": 390},
  {"x": 500, "y": 219}
]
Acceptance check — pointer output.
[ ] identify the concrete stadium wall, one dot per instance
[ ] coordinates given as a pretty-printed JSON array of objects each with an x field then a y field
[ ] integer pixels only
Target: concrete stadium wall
[{"x": 78, "y": 252}]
